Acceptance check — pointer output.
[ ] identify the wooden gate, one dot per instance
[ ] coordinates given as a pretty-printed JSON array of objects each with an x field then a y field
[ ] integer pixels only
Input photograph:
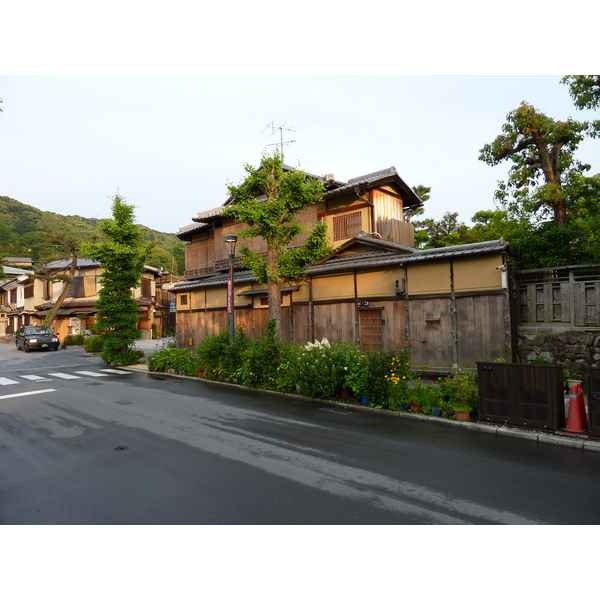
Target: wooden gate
[
  {"x": 521, "y": 395},
  {"x": 370, "y": 329}
]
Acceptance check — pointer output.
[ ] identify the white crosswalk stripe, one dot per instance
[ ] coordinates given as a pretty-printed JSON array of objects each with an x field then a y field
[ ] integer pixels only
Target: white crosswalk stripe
[
  {"x": 91, "y": 374},
  {"x": 49, "y": 376}
]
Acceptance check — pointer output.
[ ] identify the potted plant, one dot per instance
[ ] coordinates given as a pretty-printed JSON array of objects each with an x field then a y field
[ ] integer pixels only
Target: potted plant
[
  {"x": 460, "y": 391},
  {"x": 462, "y": 412}
]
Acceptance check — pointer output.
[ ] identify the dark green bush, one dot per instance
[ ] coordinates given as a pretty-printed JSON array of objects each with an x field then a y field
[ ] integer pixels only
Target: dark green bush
[
  {"x": 94, "y": 343},
  {"x": 218, "y": 358},
  {"x": 180, "y": 360},
  {"x": 121, "y": 359},
  {"x": 74, "y": 340},
  {"x": 260, "y": 361}
]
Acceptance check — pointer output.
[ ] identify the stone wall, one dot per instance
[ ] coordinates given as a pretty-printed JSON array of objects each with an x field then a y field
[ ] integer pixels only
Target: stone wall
[{"x": 573, "y": 349}]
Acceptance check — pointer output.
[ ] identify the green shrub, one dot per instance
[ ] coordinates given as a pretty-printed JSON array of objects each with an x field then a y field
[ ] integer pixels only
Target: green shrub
[
  {"x": 260, "y": 360},
  {"x": 74, "y": 340},
  {"x": 319, "y": 369},
  {"x": 219, "y": 358},
  {"x": 460, "y": 391},
  {"x": 94, "y": 343},
  {"x": 428, "y": 395},
  {"x": 120, "y": 358},
  {"x": 180, "y": 360}
]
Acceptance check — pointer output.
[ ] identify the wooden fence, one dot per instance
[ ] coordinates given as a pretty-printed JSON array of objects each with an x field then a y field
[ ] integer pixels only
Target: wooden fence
[
  {"x": 563, "y": 297},
  {"x": 529, "y": 396}
]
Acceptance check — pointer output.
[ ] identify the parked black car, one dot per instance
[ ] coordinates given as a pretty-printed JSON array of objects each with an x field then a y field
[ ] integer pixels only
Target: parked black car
[{"x": 36, "y": 337}]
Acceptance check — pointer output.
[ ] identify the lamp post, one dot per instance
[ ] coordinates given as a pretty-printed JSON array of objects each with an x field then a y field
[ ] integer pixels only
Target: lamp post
[{"x": 231, "y": 241}]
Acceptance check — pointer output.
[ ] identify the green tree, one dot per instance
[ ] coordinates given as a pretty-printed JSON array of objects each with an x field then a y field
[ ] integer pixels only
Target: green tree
[
  {"x": 448, "y": 231},
  {"x": 49, "y": 275},
  {"x": 542, "y": 154},
  {"x": 584, "y": 90},
  {"x": 424, "y": 194},
  {"x": 268, "y": 202},
  {"x": 122, "y": 255}
]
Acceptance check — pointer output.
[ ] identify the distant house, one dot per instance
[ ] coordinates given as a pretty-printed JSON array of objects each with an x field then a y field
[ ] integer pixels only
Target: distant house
[
  {"x": 77, "y": 312},
  {"x": 28, "y": 299},
  {"x": 18, "y": 261},
  {"x": 16, "y": 300},
  {"x": 375, "y": 290}
]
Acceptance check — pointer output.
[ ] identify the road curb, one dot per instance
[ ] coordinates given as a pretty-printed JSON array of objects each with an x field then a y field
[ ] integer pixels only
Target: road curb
[{"x": 579, "y": 442}]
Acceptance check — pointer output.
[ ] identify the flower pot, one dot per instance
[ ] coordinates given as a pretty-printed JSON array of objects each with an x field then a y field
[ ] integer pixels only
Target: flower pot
[
  {"x": 415, "y": 407},
  {"x": 462, "y": 416},
  {"x": 436, "y": 412},
  {"x": 346, "y": 393},
  {"x": 364, "y": 399}
]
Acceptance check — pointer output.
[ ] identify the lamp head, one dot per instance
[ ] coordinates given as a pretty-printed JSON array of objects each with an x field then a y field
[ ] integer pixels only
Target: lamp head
[{"x": 231, "y": 241}]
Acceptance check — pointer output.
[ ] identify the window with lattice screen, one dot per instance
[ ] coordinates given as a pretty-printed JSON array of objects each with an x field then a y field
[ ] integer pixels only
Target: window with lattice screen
[{"x": 346, "y": 226}]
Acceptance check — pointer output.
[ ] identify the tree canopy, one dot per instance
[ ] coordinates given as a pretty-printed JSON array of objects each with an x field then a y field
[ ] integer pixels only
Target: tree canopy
[
  {"x": 584, "y": 90},
  {"x": 268, "y": 202},
  {"x": 24, "y": 231},
  {"x": 122, "y": 255},
  {"x": 541, "y": 151}
]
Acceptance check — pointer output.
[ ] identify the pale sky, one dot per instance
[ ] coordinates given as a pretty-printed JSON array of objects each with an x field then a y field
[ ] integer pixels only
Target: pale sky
[
  {"x": 164, "y": 106},
  {"x": 164, "y": 102},
  {"x": 169, "y": 144}
]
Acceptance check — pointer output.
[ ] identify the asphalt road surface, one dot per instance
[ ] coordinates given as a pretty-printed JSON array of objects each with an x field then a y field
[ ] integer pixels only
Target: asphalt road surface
[{"x": 84, "y": 444}]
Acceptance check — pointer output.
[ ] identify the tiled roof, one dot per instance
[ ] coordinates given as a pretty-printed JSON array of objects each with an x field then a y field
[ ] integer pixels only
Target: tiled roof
[
  {"x": 385, "y": 257},
  {"x": 66, "y": 262}
]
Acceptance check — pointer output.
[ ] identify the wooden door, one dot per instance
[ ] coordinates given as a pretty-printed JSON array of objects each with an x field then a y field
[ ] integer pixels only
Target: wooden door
[{"x": 370, "y": 329}]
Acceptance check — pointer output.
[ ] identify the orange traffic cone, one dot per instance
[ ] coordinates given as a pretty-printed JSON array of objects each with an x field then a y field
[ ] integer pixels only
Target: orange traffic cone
[
  {"x": 582, "y": 404},
  {"x": 577, "y": 423}
]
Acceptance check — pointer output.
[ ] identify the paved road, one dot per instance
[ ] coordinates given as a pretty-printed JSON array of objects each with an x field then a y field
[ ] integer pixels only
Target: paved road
[{"x": 84, "y": 444}]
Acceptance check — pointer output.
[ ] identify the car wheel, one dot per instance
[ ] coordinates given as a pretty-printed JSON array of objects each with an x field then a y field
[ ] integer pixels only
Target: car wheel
[
  {"x": 26, "y": 348},
  {"x": 55, "y": 349}
]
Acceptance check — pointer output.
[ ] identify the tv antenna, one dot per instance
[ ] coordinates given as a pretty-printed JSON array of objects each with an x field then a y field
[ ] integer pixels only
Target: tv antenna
[{"x": 281, "y": 129}]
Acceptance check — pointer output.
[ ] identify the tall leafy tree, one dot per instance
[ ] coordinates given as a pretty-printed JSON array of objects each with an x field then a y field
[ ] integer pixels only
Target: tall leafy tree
[
  {"x": 541, "y": 151},
  {"x": 448, "y": 231},
  {"x": 122, "y": 255},
  {"x": 584, "y": 90},
  {"x": 268, "y": 202}
]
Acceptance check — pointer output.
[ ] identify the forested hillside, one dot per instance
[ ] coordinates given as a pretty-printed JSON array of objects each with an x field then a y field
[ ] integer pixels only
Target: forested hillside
[{"x": 30, "y": 232}]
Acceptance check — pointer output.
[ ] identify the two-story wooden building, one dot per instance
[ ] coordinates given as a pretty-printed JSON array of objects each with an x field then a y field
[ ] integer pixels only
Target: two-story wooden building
[{"x": 375, "y": 290}]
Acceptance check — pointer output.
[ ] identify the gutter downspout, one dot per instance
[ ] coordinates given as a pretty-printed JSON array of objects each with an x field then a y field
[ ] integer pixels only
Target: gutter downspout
[{"x": 453, "y": 318}]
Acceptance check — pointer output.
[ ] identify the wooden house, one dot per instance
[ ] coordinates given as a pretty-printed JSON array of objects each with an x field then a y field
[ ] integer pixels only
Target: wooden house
[
  {"x": 375, "y": 290},
  {"x": 77, "y": 312}
]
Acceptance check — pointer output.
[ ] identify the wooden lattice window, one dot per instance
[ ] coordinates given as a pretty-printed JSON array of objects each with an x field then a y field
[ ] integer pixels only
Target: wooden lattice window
[
  {"x": 28, "y": 291},
  {"x": 146, "y": 288},
  {"x": 591, "y": 308},
  {"x": 346, "y": 226},
  {"x": 183, "y": 300},
  {"x": 77, "y": 287}
]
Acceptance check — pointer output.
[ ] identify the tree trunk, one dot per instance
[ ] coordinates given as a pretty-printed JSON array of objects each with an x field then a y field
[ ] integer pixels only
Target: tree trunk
[
  {"x": 274, "y": 292},
  {"x": 560, "y": 214},
  {"x": 52, "y": 314}
]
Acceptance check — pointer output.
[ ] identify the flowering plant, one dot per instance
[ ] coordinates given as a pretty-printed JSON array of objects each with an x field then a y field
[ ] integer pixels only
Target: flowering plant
[{"x": 397, "y": 379}]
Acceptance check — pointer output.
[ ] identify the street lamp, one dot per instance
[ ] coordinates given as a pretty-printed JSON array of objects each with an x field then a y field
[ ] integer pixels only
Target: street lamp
[{"x": 231, "y": 241}]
